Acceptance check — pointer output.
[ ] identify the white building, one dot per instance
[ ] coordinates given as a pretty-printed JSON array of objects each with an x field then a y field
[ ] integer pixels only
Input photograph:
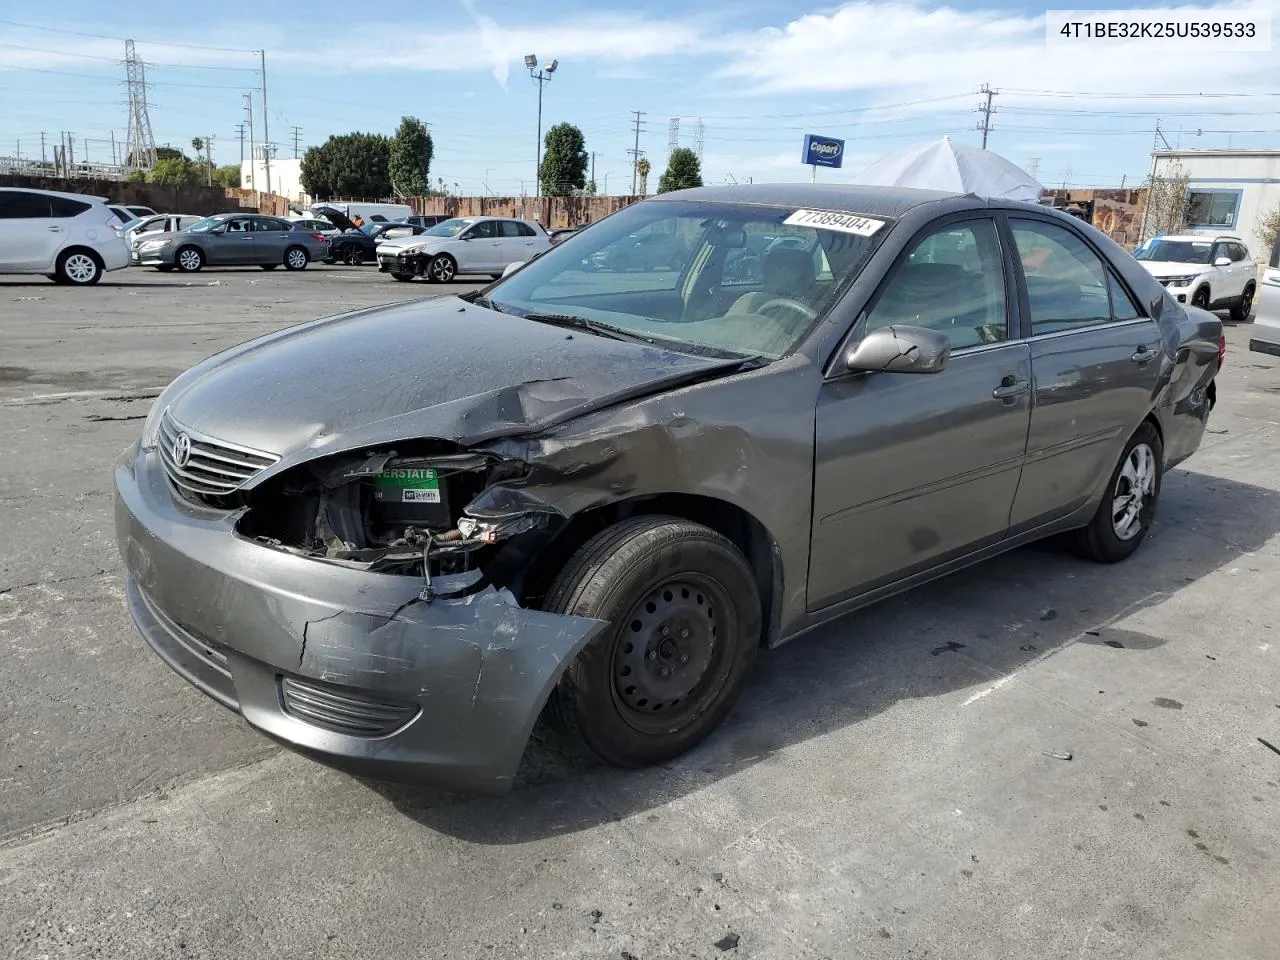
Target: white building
[
  {"x": 285, "y": 178},
  {"x": 1231, "y": 190}
]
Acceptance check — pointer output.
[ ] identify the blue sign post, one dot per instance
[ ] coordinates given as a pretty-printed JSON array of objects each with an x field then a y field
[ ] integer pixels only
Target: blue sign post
[{"x": 822, "y": 152}]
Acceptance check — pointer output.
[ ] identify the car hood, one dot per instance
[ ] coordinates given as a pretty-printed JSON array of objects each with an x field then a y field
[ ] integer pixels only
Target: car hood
[
  {"x": 1171, "y": 268},
  {"x": 397, "y": 243},
  {"x": 439, "y": 368}
]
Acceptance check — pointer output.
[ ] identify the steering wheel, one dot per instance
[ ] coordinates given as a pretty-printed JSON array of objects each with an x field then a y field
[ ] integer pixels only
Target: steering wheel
[{"x": 794, "y": 305}]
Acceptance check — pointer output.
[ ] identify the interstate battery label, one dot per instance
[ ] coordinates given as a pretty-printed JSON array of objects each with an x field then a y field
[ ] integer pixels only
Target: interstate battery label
[
  {"x": 408, "y": 486},
  {"x": 834, "y": 220}
]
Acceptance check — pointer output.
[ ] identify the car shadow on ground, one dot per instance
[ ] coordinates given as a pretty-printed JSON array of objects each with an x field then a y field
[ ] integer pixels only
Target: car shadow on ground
[{"x": 962, "y": 631}]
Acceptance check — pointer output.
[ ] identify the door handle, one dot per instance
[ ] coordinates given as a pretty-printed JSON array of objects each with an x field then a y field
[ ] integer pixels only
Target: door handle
[
  {"x": 55, "y": 229},
  {"x": 1143, "y": 354},
  {"x": 1010, "y": 388}
]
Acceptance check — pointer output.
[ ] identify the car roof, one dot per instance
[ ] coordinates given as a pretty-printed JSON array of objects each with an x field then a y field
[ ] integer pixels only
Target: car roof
[
  {"x": 85, "y": 197},
  {"x": 1203, "y": 237},
  {"x": 855, "y": 198}
]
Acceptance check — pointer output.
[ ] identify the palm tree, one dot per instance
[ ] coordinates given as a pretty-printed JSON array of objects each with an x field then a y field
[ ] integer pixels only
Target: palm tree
[{"x": 643, "y": 168}]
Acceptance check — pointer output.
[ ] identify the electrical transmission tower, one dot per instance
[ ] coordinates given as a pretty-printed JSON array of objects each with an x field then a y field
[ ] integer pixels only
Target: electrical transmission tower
[
  {"x": 673, "y": 136},
  {"x": 986, "y": 110},
  {"x": 699, "y": 133},
  {"x": 1033, "y": 167},
  {"x": 140, "y": 143},
  {"x": 297, "y": 136}
]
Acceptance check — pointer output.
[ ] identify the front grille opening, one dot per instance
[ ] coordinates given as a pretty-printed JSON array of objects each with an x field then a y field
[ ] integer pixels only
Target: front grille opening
[
  {"x": 213, "y": 469},
  {"x": 343, "y": 711}
]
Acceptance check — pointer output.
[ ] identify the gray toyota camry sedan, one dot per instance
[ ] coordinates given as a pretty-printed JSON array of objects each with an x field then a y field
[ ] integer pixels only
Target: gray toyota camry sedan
[
  {"x": 392, "y": 539},
  {"x": 232, "y": 239}
]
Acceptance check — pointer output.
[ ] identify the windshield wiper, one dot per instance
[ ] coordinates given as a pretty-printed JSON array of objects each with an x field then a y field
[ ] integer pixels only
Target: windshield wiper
[
  {"x": 591, "y": 326},
  {"x": 476, "y": 300}
]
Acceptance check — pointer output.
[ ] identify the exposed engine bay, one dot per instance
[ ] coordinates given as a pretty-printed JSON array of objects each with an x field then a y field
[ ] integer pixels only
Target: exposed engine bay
[{"x": 394, "y": 511}]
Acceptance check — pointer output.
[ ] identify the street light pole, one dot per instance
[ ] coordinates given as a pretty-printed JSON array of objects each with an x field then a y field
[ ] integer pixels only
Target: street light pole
[{"x": 543, "y": 77}]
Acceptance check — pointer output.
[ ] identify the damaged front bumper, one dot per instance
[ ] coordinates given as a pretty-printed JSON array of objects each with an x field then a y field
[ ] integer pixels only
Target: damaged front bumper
[{"x": 347, "y": 666}]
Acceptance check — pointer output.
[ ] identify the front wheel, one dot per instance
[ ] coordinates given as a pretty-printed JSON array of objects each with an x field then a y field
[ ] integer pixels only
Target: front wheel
[
  {"x": 268, "y": 266},
  {"x": 295, "y": 258},
  {"x": 684, "y": 627},
  {"x": 189, "y": 259},
  {"x": 1240, "y": 312},
  {"x": 403, "y": 276},
  {"x": 1201, "y": 298},
  {"x": 442, "y": 268},
  {"x": 1129, "y": 505}
]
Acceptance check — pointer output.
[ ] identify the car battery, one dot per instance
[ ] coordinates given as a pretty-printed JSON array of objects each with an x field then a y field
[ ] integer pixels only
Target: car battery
[{"x": 411, "y": 497}]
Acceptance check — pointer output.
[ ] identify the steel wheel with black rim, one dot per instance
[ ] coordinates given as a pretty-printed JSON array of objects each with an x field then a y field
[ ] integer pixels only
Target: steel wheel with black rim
[
  {"x": 295, "y": 258},
  {"x": 1124, "y": 516},
  {"x": 684, "y": 626},
  {"x": 353, "y": 255},
  {"x": 442, "y": 268},
  {"x": 80, "y": 268},
  {"x": 189, "y": 259},
  {"x": 1201, "y": 298},
  {"x": 1240, "y": 312}
]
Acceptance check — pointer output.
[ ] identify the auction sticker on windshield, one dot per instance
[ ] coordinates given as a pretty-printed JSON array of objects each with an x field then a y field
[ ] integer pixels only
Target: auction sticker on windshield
[{"x": 833, "y": 220}]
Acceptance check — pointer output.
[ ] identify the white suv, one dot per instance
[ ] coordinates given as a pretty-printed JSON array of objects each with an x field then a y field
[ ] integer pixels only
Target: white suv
[
  {"x": 1265, "y": 336},
  {"x": 68, "y": 237},
  {"x": 1209, "y": 271}
]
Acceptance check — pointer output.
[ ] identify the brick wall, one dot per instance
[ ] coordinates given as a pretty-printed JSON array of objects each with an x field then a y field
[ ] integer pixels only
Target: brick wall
[
  {"x": 551, "y": 212},
  {"x": 163, "y": 198}
]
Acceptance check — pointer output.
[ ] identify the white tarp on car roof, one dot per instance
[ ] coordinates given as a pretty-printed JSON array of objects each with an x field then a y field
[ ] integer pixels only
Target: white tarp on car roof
[{"x": 954, "y": 167}]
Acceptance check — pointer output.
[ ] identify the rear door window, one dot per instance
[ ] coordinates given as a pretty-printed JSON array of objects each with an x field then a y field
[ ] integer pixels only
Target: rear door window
[
  {"x": 1067, "y": 285},
  {"x": 66, "y": 207},
  {"x": 20, "y": 205}
]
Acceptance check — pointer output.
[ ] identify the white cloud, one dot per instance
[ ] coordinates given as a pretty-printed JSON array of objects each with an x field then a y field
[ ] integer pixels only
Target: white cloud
[{"x": 777, "y": 167}]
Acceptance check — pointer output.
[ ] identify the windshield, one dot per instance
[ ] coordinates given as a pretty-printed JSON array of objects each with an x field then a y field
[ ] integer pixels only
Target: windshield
[
  {"x": 1176, "y": 251},
  {"x": 369, "y": 229},
  {"x": 717, "y": 278},
  {"x": 447, "y": 228},
  {"x": 205, "y": 225}
]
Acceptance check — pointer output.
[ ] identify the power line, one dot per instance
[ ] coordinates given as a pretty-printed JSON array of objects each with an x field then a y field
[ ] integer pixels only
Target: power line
[
  {"x": 104, "y": 36},
  {"x": 986, "y": 110}
]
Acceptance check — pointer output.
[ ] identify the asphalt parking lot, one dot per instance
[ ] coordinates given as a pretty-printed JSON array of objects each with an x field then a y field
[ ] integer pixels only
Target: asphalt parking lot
[{"x": 895, "y": 785}]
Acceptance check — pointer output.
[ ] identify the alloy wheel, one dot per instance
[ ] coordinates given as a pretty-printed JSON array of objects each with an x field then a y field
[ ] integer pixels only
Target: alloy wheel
[
  {"x": 441, "y": 269},
  {"x": 1134, "y": 487},
  {"x": 80, "y": 268}
]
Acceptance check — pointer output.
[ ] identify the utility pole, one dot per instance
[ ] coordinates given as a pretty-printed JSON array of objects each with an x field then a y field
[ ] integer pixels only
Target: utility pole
[
  {"x": 593, "y": 173},
  {"x": 297, "y": 137},
  {"x": 986, "y": 110},
  {"x": 240, "y": 134},
  {"x": 266, "y": 134},
  {"x": 208, "y": 157},
  {"x": 115, "y": 160},
  {"x": 43, "y": 157},
  {"x": 635, "y": 153},
  {"x": 253, "y": 160},
  {"x": 1034, "y": 166}
]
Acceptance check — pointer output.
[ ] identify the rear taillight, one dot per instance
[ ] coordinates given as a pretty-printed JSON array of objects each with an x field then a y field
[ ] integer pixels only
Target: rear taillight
[
  {"x": 319, "y": 236},
  {"x": 1222, "y": 350}
]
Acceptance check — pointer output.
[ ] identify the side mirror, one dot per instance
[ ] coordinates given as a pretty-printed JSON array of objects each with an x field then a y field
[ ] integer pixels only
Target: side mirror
[
  {"x": 512, "y": 268},
  {"x": 1222, "y": 262},
  {"x": 901, "y": 349}
]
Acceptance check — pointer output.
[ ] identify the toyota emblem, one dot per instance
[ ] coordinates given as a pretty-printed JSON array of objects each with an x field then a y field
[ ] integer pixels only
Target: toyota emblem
[{"x": 181, "y": 450}]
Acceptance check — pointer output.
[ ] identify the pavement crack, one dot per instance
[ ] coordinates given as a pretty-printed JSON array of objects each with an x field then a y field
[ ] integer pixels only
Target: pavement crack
[{"x": 101, "y": 572}]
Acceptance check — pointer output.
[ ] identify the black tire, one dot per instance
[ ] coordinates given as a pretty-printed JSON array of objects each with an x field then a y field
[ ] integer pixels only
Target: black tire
[
  {"x": 353, "y": 255},
  {"x": 268, "y": 266},
  {"x": 1240, "y": 312},
  {"x": 78, "y": 267},
  {"x": 1100, "y": 540},
  {"x": 441, "y": 268},
  {"x": 164, "y": 267},
  {"x": 403, "y": 276},
  {"x": 674, "y": 593},
  {"x": 296, "y": 258},
  {"x": 189, "y": 259},
  {"x": 1201, "y": 298}
]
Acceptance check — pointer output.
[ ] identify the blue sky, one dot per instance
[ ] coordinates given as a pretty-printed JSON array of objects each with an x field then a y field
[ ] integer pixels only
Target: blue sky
[{"x": 759, "y": 73}]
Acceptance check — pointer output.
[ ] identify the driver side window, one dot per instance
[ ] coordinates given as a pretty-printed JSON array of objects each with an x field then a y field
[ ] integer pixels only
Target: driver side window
[
  {"x": 482, "y": 231},
  {"x": 953, "y": 282}
]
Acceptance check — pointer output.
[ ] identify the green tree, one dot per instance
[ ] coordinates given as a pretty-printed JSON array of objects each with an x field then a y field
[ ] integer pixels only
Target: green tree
[
  {"x": 227, "y": 176},
  {"x": 175, "y": 170},
  {"x": 410, "y": 159},
  {"x": 162, "y": 153},
  {"x": 683, "y": 171},
  {"x": 1269, "y": 232},
  {"x": 350, "y": 165},
  {"x": 564, "y": 161}
]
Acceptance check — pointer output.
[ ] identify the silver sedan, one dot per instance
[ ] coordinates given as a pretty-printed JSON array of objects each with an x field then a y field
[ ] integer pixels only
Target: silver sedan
[{"x": 230, "y": 239}]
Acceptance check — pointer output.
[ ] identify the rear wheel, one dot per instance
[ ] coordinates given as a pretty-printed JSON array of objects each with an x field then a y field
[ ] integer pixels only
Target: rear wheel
[
  {"x": 79, "y": 268},
  {"x": 1240, "y": 312},
  {"x": 1129, "y": 505},
  {"x": 352, "y": 255},
  {"x": 189, "y": 259},
  {"x": 295, "y": 258},
  {"x": 684, "y": 626}
]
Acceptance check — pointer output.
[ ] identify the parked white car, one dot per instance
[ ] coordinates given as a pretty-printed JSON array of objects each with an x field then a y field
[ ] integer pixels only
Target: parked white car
[
  {"x": 68, "y": 237},
  {"x": 1210, "y": 271},
  {"x": 1265, "y": 336},
  {"x": 140, "y": 230},
  {"x": 131, "y": 212},
  {"x": 313, "y": 225},
  {"x": 463, "y": 245}
]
